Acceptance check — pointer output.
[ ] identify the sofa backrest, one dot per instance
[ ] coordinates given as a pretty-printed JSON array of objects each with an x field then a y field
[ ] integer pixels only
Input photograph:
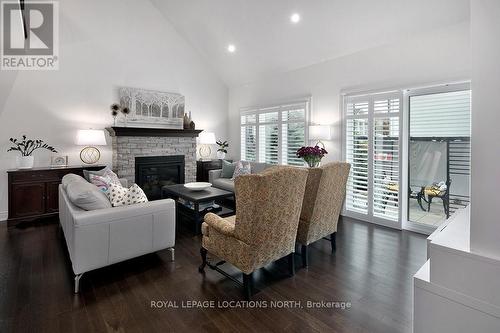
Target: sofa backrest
[{"x": 257, "y": 167}]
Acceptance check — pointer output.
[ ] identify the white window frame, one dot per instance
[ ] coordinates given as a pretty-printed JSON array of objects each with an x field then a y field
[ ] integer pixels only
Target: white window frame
[
  {"x": 257, "y": 111},
  {"x": 371, "y": 96}
]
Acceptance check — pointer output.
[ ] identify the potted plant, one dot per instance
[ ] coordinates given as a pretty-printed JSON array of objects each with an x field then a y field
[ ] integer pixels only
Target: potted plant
[
  {"x": 222, "y": 150},
  {"x": 26, "y": 147},
  {"x": 311, "y": 155}
]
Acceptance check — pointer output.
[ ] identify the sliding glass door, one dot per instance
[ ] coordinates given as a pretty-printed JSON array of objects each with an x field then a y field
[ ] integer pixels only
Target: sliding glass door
[
  {"x": 438, "y": 154},
  {"x": 372, "y": 146}
]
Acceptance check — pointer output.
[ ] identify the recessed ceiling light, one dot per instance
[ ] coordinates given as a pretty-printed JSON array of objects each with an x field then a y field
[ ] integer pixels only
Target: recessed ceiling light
[
  {"x": 295, "y": 18},
  {"x": 231, "y": 48}
]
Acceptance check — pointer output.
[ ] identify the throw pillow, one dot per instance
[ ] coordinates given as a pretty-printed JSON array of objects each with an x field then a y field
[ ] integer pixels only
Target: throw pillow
[
  {"x": 87, "y": 196},
  {"x": 122, "y": 196},
  {"x": 103, "y": 172},
  {"x": 241, "y": 169},
  {"x": 102, "y": 182},
  {"x": 228, "y": 169}
]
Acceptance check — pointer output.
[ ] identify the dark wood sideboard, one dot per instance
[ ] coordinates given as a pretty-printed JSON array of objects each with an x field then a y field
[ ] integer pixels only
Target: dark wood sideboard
[
  {"x": 203, "y": 166},
  {"x": 34, "y": 193}
]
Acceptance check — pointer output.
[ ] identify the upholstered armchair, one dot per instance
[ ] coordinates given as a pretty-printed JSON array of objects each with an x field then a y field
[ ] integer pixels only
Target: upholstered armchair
[
  {"x": 323, "y": 200},
  {"x": 264, "y": 228}
]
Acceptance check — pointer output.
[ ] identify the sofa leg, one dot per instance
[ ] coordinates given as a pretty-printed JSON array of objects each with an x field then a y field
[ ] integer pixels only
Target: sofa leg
[
  {"x": 304, "y": 255},
  {"x": 203, "y": 253},
  {"x": 333, "y": 242},
  {"x": 247, "y": 285},
  {"x": 77, "y": 282},
  {"x": 172, "y": 253},
  {"x": 291, "y": 264}
]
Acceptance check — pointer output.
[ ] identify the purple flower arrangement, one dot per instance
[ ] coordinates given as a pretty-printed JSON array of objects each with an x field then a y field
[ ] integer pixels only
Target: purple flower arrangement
[{"x": 311, "y": 155}]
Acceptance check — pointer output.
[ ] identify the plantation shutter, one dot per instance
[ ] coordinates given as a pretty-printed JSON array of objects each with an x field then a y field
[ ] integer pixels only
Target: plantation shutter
[
  {"x": 372, "y": 131},
  {"x": 269, "y": 135},
  {"x": 249, "y": 137},
  {"x": 293, "y": 118},
  {"x": 274, "y": 134},
  {"x": 386, "y": 158}
]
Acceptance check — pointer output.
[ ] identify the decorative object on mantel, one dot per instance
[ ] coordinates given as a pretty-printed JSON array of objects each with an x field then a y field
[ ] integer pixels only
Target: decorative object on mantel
[
  {"x": 150, "y": 108},
  {"x": 222, "y": 150},
  {"x": 311, "y": 155},
  {"x": 58, "y": 161},
  {"x": 186, "y": 120},
  {"x": 320, "y": 132},
  {"x": 192, "y": 125},
  {"x": 115, "y": 110},
  {"x": 206, "y": 139},
  {"x": 125, "y": 112},
  {"x": 26, "y": 148},
  {"x": 90, "y": 138}
]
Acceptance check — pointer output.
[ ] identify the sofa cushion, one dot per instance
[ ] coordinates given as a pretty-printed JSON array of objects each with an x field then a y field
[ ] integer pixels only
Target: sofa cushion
[
  {"x": 224, "y": 183},
  {"x": 228, "y": 169},
  {"x": 242, "y": 168},
  {"x": 69, "y": 178},
  {"x": 122, "y": 196},
  {"x": 87, "y": 196}
]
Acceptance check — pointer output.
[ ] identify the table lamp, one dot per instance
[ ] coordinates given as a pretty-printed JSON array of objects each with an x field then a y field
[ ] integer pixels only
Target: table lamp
[
  {"x": 320, "y": 132},
  {"x": 206, "y": 139},
  {"x": 89, "y": 139}
]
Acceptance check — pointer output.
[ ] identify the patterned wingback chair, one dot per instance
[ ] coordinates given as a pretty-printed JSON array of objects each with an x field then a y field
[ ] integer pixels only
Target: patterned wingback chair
[
  {"x": 323, "y": 200},
  {"x": 268, "y": 207}
]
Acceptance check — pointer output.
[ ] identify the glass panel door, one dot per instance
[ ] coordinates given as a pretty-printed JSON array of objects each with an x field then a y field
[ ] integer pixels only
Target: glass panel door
[{"x": 438, "y": 154}]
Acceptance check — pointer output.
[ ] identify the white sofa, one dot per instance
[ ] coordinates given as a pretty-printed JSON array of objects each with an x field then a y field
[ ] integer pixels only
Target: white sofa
[{"x": 102, "y": 237}]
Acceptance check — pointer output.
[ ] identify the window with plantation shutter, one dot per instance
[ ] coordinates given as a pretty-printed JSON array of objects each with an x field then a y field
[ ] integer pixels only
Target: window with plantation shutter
[
  {"x": 273, "y": 134},
  {"x": 372, "y": 147}
]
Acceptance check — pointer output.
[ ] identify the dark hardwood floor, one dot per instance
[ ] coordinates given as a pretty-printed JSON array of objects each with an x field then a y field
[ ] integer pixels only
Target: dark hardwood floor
[{"x": 372, "y": 269}]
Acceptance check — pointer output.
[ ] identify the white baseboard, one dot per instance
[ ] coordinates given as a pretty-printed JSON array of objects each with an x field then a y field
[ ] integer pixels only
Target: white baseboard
[{"x": 3, "y": 216}]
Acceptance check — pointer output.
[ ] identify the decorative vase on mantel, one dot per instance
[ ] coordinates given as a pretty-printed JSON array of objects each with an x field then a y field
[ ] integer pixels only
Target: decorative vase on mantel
[{"x": 186, "y": 121}]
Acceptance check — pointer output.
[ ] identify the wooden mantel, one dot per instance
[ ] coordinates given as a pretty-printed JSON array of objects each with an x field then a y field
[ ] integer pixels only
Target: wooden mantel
[{"x": 139, "y": 131}]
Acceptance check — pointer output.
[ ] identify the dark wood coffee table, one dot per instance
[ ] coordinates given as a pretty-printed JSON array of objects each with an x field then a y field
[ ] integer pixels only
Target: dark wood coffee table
[{"x": 194, "y": 214}]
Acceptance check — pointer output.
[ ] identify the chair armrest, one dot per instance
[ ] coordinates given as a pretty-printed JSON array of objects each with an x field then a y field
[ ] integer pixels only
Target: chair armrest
[
  {"x": 107, "y": 215},
  {"x": 124, "y": 182},
  {"x": 214, "y": 174},
  {"x": 219, "y": 224}
]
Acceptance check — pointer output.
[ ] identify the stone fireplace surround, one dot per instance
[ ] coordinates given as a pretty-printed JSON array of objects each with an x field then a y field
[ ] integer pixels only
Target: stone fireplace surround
[{"x": 127, "y": 147}]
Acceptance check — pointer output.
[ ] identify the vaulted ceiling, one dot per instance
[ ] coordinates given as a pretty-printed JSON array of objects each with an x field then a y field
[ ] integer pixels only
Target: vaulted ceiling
[{"x": 267, "y": 42}]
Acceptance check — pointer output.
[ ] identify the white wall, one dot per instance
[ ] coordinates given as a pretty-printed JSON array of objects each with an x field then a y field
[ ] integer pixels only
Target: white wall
[
  {"x": 485, "y": 226},
  {"x": 103, "y": 45},
  {"x": 438, "y": 57}
]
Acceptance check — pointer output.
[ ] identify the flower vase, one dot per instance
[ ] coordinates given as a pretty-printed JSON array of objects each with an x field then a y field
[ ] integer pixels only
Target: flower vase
[
  {"x": 312, "y": 163},
  {"x": 25, "y": 162},
  {"x": 221, "y": 155}
]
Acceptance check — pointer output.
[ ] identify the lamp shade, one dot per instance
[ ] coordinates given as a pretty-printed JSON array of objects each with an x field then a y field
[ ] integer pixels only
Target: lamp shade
[
  {"x": 320, "y": 132},
  {"x": 90, "y": 138},
  {"x": 207, "y": 138}
]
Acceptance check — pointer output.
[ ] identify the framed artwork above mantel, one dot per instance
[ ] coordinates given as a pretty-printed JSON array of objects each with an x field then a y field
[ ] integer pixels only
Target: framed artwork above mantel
[{"x": 151, "y": 109}]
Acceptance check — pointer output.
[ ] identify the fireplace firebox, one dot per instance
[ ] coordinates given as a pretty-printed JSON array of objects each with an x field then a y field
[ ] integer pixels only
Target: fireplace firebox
[{"x": 154, "y": 172}]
